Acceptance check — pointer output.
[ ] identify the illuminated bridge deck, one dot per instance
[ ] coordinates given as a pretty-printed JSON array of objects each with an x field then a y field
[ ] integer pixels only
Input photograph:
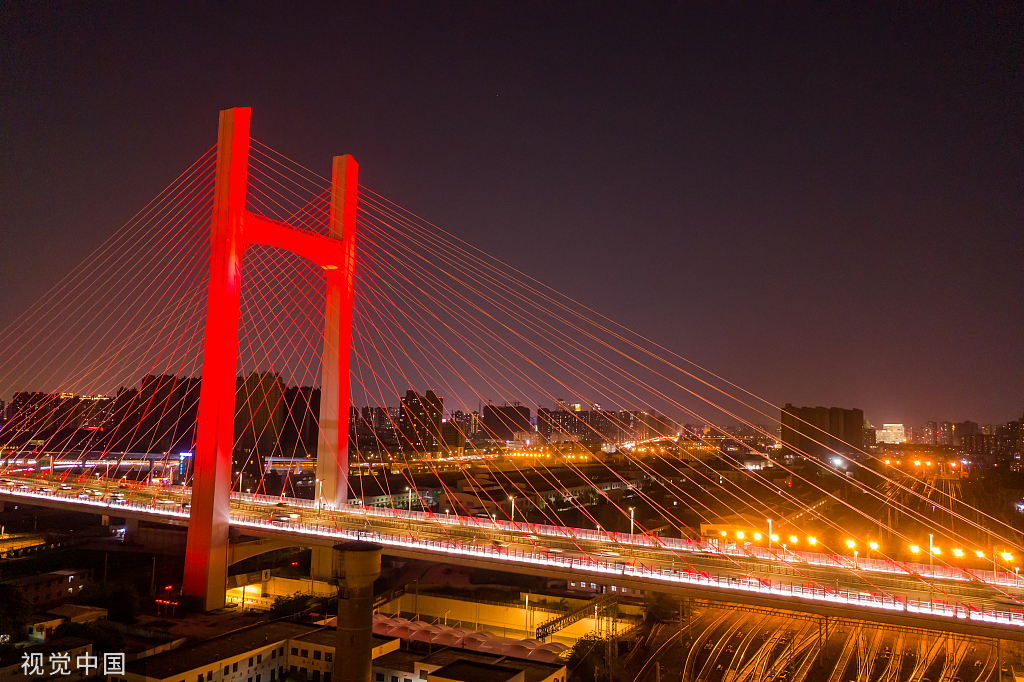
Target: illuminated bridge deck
[{"x": 949, "y": 599}]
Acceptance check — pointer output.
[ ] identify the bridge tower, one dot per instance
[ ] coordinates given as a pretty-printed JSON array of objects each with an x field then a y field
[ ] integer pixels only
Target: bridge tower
[{"x": 232, "y": 230}]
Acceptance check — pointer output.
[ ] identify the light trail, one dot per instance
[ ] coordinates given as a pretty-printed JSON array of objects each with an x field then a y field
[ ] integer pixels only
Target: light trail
[{"x": 400, "y": 530}]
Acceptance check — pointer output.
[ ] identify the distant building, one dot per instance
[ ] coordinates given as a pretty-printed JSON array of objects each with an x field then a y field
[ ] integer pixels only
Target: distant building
[
  {"x": 819, "y": 431},
  {"x": 259, "y": 423},
  {"x": 945, "y": 434},
  {"x": 419, "y": 422},
  {"x": 892, "y": 433},
  {"x": 931, "y": 433},
  {"x": 506, "y": 422}
]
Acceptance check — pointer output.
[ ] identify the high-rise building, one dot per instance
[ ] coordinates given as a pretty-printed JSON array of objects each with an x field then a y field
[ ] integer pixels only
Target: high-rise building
[
  {"x": 945, "y": 434},
  {"x": 259, "y": 422},
  {"x": 506, "y": 422},
  {"x": 931, "y": 433},
  {"x": 819, "y": 431},
  {"x": 300, "y": 432},
  {"x": 419, "y": 422}
]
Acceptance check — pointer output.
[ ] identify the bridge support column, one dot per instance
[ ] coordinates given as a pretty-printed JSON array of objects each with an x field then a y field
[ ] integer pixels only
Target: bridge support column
[
  {"x": 357, "y": 565},
  {"x": 332, "y": 447},
  {"x": 131, "y": 531},
  {"x": 207, "y": 550}
]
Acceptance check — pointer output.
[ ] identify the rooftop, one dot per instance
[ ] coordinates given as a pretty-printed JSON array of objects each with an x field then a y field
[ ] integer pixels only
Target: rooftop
[
  {"x": 475, "y": 671},
  {"x": 210, "y": 651}
]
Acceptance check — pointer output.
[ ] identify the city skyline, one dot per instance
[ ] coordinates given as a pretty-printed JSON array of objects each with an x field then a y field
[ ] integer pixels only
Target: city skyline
[{"x": 726, "y": 234}]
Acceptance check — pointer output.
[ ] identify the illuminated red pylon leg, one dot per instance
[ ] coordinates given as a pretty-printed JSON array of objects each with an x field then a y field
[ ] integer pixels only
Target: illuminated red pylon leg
[
  {"x": 232, "y": 230},
  {"x": 332, "y": 449}
]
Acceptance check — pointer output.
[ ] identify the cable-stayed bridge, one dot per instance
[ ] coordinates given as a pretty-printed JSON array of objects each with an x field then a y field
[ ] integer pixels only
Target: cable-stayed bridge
[{"x": 255, "y": 301}]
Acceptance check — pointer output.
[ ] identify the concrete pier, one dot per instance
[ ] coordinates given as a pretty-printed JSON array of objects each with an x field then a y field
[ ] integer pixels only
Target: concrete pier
[{"x": 356, "y": 566}]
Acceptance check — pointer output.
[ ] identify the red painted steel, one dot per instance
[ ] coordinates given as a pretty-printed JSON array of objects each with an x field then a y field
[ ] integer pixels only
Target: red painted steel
[{"x": 232, "y": 230}]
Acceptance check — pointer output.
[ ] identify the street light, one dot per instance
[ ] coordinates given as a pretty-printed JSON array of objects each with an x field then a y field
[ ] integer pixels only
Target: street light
[
  {"x": 931, "y": 552},
  {"x": 631, "y": 520},
  {"x": 914, "y": 549},
  {"x": 770, "y": 537},
  {"x": 409, "y": 491},
  {"x": 512, "y": 516},
  {"x": 812, "y": 541}
]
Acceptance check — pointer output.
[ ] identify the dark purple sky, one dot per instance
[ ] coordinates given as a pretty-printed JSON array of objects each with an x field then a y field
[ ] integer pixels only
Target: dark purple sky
[{"x": 822, "y": 204}]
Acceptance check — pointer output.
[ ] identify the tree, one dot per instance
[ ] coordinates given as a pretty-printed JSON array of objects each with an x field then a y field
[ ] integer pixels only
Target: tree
[
  {"x": 121, "y": 600},
  {"x": 660, "y": 607},
  {"x": 14, "y": 613}
]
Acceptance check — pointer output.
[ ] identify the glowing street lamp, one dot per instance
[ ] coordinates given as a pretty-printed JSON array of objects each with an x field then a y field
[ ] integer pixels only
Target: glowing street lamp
[
  {"x": 958, "y": 553},
  {"x": 851, "y": 544},
  {"x": 631, "y": 520},
  {"x": 740, "y": 535},
  {"x": 792, "y": 539},
  {"x": 812, "y": 541},
  {"x": 978, "y": 553},
  {"x": 512, "y": 516},
  {"x": 914, "y": 549},
  {"x": 757, "y": 537}
]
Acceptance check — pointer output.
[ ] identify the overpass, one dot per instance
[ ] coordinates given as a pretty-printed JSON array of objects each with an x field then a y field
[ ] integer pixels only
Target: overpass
[{"x": 912, "y": 595}]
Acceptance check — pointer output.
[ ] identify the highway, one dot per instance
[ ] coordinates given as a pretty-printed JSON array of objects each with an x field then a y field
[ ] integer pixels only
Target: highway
[{"x": 806, "y": 581}]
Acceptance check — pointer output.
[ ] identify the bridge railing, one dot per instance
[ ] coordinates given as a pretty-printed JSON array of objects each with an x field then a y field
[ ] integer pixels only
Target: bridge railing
[
  {"x": 157, "y": 507},
  {"x": 608, "y": 570}
]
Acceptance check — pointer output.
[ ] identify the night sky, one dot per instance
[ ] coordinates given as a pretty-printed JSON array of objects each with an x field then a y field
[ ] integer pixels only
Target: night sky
[{"x": 823, "y": 204}]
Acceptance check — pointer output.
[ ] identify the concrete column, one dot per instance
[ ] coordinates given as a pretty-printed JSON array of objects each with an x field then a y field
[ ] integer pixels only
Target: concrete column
[
  {"x": 332, "y": 448},
  {"x": 131, "y": 530},
  {"x": 206, "y": 554},
  {"x": 357, "y": 565}
]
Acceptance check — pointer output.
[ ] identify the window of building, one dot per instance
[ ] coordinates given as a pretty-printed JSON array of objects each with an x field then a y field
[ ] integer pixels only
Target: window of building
[
  {"x": 380, "y": 677},
  {"x": 250, "y": 661},
  {"x": 573, "y": 584},
  {"x": 327, "y": 677},
  {"x": 273, "y": 674},
  {"x": 273, "y": 654},
  {"x": 316, "y": 676},
  {"x": 328, "y": 656},
  {"x": 295, "y": 651},
  {"x": 227, "y": 669},
  {"x": 209, "y": 675},
  {"x": 234, "y": 667},
  {"x": 250, "y": 678},
  {"x": 200, "y": 677},
  {"x": 257, "y": 677},
  {"x": 294, "y": 669},
  {"x": 423, "y": 674},
  {"x": 259, "y": 659},
  {"x": 305, "y": 653},
  {"x": 303, "y": 672},
  {"x": 593, "y": 586},
  {"x": 281, "y": 651},
  {"x": 613, "y": 589},
  {"x": 316, "y": 654}
]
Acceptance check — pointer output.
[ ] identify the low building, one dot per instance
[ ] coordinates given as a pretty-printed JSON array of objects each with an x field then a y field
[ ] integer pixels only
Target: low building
[
  {"x": 265, "y": 652},
  {"x": 52, "y": 588},
  {"x": 42, "y": 625},
  {"x": 460, "y": 665}
]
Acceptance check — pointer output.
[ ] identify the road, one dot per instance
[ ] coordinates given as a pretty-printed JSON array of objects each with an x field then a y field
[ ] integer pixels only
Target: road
[{"x": 637, "y": 561}]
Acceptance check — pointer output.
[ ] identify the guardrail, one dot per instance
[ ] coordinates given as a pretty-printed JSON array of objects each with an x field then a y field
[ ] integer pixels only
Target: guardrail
[{"x": 588, "y": 563}]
